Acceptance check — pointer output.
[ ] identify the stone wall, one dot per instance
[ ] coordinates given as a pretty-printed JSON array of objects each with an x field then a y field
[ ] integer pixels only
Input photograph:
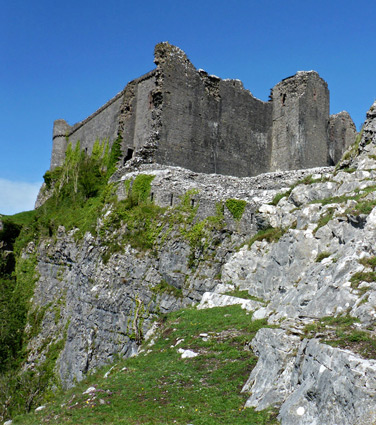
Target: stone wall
[
  {"x": 209, "y": 125},
  {"x": 342, "y": 133},
  {"x": 177, "y": 115},
  {"x": 300, "y": 122},
  {"x": 127, "y": 114},
  {"x": 103, "y": 124}
]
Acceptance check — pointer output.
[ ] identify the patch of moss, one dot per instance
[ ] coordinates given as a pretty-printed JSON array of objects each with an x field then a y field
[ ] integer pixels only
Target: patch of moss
[
  {"x": 141, "y": 187},
  {"x": 236, "y": 207},
  {"x": 271, "y": 234},
  {"x": 322, "y": 255},
  {"x": 164, "y": 287}
]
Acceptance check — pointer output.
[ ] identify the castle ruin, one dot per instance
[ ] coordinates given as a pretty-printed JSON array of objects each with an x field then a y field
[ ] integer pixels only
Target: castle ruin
[{"x": 178, "y": 115}]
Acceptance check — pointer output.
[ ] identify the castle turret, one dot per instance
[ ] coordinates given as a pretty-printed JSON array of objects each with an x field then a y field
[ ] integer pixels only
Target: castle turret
[
  {"x": 300, "y": 122},
  {"x": 59, "y": 142}
]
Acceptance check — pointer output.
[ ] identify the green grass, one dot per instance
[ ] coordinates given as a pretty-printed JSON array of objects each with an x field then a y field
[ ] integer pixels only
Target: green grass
[
  {"x": 279, "y": 196},
  {"x": 271, "y": 234},
  {"x": 236, "y": 208},
  {"x": 322, "y": 255},
  {"x": 324, "y": 220},
  {"x": 159, "y": 387},
  {"x": 364, "y": 276},
  {"x": 164, "y": 288}
]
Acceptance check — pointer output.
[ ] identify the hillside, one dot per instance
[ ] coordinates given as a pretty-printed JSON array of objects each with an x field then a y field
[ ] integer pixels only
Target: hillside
[{"x": 112, "y": 251}]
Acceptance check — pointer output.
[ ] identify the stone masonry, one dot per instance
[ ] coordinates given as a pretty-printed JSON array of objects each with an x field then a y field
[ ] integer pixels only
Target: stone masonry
[{"x": 180, "y": 116}]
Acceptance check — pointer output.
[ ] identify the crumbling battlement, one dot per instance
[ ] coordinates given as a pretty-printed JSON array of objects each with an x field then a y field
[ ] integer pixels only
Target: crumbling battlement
[{"x": 178, "y": 115}]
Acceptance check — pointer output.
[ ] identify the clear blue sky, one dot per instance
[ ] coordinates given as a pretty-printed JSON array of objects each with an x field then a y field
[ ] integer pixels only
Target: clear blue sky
[{"x": 65, "y": 59}]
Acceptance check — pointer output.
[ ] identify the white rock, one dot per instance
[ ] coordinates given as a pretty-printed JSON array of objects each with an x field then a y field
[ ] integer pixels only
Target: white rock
[
  {"x": 261, "y": 313},
  {"x": 322, "y": 369},
  {"x": 89, "y": 390},
  {"x": 371, "y": 220},
  {"x": 187, "y": 354},
  {"x": 151, "y": 332},
  {"x": 107, "y": 374},
  {"x": 300, "y": 411},
  {"x": 211, "y": 299},
  {"x": 38, "y": 409}
]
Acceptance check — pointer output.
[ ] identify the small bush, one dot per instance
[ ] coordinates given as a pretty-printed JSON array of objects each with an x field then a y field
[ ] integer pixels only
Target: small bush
[
  {"x": 164, "y": 287},
  {"x": 279, "y": 196},
  {"x": 236, "y": 207}
]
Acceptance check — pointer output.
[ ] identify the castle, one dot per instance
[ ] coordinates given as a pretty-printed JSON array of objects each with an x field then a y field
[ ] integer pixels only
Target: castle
[{"x": 178, "y": 115}]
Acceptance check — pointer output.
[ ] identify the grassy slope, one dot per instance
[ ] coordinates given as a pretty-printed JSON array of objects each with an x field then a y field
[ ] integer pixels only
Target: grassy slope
[{"x": 158, "y": 387}]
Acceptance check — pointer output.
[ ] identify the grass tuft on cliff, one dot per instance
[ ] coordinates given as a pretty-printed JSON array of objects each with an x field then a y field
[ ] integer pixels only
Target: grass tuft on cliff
[{"x": 160, "y": 387}]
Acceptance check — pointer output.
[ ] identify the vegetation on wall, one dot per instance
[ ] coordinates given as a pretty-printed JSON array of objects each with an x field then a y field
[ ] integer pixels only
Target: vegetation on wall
[{"x": 236, "y": 207}]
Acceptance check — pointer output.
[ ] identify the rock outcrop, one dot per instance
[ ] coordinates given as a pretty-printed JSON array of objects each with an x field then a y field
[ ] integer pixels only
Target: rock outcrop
[
  {"x": 319, "y": 267},
  {"x": 301, "y": 243}
]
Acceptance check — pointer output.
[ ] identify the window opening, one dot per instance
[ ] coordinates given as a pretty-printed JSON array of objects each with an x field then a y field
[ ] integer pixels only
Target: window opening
[{"x": 129, "y": 155}]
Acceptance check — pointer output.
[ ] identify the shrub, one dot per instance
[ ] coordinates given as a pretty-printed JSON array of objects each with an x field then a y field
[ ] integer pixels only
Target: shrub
[{"x": 236, "y": 207}]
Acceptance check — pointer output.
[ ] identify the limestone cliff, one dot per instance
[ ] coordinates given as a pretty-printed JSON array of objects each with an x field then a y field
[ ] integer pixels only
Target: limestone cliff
[{"x": 301, "y": 243}]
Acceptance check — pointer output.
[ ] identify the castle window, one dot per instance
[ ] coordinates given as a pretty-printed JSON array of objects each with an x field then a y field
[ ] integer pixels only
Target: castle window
[
  {"x": 171, "y": 199},
  {"x": 151, "y": 196},
  {"x": 128, "y": 156},
  {"x": 283, "y": 99},
  {"x": 192, "y": 203}
]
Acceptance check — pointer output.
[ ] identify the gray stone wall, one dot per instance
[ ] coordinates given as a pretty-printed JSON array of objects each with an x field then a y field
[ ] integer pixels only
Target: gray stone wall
[
  {"x": 102, "y": 125},
  {"x": 143, "y": 116},
  {"x": 208, "y": 124},
  {"x": 300, "y": 122},
  {"x": 60, "y": 133},
  {"x": 177, "y": 115},
  {"x": 342, "y": 134}
]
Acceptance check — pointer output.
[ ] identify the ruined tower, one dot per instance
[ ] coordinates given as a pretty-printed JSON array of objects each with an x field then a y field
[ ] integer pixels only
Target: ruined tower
[{"x": 300, "y": 122}]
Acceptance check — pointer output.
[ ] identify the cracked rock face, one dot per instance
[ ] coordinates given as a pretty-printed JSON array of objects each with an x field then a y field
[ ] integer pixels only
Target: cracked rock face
[
  {"x": 313, "y": 382},
  {"x": 312, "y": 265},
  {"x": 307, "y": 274}
]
